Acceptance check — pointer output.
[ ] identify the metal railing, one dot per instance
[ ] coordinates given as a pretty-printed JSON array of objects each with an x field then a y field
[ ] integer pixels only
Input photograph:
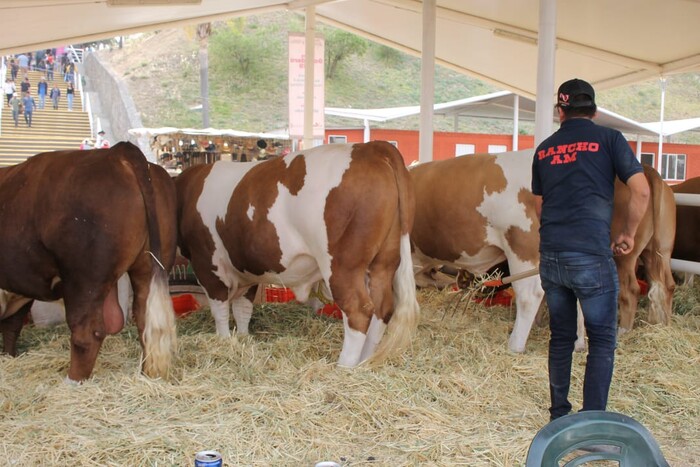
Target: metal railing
[
  {"x": 75, "y": 55},
  {"x": 3, "y": 76}
]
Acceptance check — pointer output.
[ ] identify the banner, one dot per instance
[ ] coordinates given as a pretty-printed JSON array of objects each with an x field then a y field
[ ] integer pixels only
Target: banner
[{"x": 297, "y": 53}]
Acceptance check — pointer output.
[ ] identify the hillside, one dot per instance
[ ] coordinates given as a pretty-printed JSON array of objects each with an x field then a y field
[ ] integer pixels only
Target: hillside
[{"x": 161, "y": 71}]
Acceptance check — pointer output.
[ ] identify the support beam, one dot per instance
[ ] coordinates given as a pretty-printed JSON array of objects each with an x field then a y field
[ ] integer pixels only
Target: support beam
[
  {"x": 545, "y": 70},
  {"x": 310, "y": 43},
  {"x": 427, "y": 92}
]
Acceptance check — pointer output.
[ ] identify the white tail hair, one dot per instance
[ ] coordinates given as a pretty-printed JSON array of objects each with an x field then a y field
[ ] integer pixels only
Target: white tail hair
[
  {"x": 404, "y": 321},
  {"x": 159, "y": 335}
]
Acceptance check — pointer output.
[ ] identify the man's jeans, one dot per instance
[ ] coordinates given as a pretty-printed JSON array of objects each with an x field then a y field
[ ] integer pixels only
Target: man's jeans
[{"x": 592, "y": 280}]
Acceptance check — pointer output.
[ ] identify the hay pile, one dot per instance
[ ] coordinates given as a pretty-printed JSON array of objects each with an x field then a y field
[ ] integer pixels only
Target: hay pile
[{"x": 457, "y": 397}]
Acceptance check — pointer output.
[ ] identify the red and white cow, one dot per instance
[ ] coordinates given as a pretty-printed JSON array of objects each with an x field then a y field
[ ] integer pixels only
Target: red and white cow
[
  {"x": 473, "y": 212},
  {"x": 340, "y": 214},
  {"x": 73, "y": 222},
  {"x": 476, "y": 211}
]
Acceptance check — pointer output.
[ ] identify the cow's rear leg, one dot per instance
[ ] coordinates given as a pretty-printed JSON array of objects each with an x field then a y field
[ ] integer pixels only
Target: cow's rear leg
[
  {"x": 217, "y": 294},
  {"x": 381, "y": 293},
  {"x": 528, "y": 296},
  {"x": 350, "y": 294},
  {"x": 10, "y": 328},
  {"x": 629, "y": 291},
  {"x": 87, "y": 328},
  {"x": 220, "y": 310},
  {"x": 243, "y": 310}
]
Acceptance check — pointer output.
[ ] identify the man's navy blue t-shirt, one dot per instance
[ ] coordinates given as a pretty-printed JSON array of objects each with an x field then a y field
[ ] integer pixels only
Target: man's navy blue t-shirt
[{"x": 574, "y": 171}]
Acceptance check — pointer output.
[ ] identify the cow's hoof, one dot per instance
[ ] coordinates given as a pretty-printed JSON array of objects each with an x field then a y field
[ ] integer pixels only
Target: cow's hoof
[
  {"x": 71, "y": 382},
  {"x": 580, "y": 346},
  {"x": 622, "y": 331}
]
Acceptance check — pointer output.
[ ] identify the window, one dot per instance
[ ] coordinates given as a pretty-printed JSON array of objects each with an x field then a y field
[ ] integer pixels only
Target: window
[
  {"x": 337, "y": 139},
  {"x": 673, "y": 166},
  {"x": 496, "y": 148},
  {"x": 648, "y": 158},
  {"x": 464, "y": 149}
]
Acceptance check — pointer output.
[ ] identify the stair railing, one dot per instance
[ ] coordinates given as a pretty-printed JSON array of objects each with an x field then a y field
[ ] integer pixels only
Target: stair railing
[
  {"x": 3, "y": 75},
  {"x": 76, "y": 55},
  {"x": 87, "y": 108}
]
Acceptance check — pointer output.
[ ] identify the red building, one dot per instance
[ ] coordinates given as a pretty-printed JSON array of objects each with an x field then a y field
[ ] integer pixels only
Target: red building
[{"x": 680, "y": 161}]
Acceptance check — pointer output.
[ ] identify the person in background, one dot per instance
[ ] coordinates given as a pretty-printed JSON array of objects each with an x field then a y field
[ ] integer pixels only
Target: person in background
[
  {"x": 23, "y": 62},
  {"x": 70, "y": 91},
  {"x": 9, "y": 89},
  {"x": 42, "y": 89},
  {"x": 573, "y": 178},
  {"x": 99, "y": 138},
  {"x": 29, "y": 105},
  {"x": 55, "y": 95},
  {"x": 69, "y": 74},
  {"x": 14, "y": 69},
  {"x": 14, "y": 105},
  {"x": 49, "y": 66},
  {"x": 86, "y": 144},
  {"x": 25, "y": 85}
]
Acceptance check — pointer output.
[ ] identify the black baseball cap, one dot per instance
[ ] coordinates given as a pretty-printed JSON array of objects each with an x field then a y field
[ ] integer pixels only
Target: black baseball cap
[{"x": 569, "y": 92}]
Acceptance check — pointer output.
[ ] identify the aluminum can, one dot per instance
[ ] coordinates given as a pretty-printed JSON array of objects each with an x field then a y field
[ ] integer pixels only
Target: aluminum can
[{"x": 208, "y": 459}]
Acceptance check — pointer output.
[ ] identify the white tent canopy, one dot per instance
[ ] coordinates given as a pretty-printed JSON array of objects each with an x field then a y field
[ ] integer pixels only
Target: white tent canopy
[
  {"x": 607, "y": 42},
  {"x": 150, "y": 132},
  {"x": 500, "y": 105},
  {"x": 671, "y": 127}
]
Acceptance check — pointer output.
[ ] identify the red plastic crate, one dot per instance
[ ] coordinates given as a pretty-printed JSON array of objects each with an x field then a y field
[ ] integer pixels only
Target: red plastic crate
[
  {"x": 332, "y": 310},
  {"x": 279, "y": 295},
  {"x": 184, "y": 304}
]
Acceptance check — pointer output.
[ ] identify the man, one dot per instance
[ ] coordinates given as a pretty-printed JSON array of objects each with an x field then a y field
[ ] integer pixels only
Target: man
[
  {"x": 55, "y": 95},
  {"x": 42, "y": 89},
  {"x": 15, "y": 104},
  {"x": 573, "y": 174},
  {"x": 9, "y": 89},
  {"x": 29, "y": 105},
  {"x": 23, "y": 61}
]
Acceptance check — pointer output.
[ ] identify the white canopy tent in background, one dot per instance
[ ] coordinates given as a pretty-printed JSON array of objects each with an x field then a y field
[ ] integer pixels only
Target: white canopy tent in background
[
  {"x": 499, "y": 105},
  {"x": 524, "y": 46}
]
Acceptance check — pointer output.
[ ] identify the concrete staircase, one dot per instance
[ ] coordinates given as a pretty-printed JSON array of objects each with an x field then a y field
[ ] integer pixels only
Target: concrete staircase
[{"x": 51, "y": 130}]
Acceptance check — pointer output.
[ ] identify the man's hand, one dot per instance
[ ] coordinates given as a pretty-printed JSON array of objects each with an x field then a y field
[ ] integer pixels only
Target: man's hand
[{"x": 622, "y": 245}]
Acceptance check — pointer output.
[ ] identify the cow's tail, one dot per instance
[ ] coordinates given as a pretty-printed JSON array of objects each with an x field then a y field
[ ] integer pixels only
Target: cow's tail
[
  {"x": 159, "y": 336},
  {"x": 404, "y": 320},
  {"x": 664, "y": 221}
]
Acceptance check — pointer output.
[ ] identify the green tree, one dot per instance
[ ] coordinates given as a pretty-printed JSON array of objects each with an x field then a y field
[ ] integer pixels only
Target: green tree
[
  {"x": 339, "y": 46},
  {"x": 241, "y": 51},
  {"x": 387, "y": 55}
]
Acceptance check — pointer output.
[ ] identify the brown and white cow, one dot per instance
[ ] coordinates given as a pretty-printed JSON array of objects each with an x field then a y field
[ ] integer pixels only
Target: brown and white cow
[
  {"x": 73, "y": 222},
  {"x": 339, "y": 214},
  {"x": 473, "y": 212}
]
